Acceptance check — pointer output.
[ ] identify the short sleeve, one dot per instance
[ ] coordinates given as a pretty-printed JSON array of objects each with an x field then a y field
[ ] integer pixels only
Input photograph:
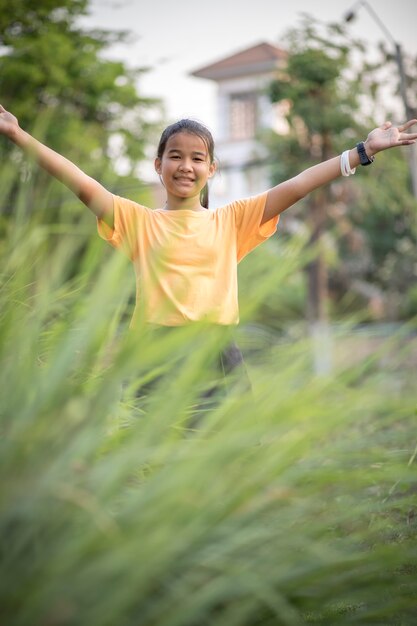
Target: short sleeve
[
  {"x": 248, "y": 217},
  {"x": 128, "y": 219}
]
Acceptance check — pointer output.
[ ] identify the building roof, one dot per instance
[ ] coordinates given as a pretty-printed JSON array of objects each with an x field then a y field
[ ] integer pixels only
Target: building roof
[{"x": 257, "y": 59}]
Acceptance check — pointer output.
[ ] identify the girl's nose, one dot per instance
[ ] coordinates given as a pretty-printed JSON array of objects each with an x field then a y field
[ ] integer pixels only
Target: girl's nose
[{"x": 185, "y": 166}]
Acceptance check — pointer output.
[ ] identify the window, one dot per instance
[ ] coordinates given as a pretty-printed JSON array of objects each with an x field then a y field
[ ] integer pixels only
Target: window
[{"x": 242, "y": 116}]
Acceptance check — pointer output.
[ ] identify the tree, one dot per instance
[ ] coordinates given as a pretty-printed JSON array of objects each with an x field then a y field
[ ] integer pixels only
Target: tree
[
  {"x": 54, "y": 78},
  {"x": 328, "y": 86},
  {"x": 318, "y": 111}
]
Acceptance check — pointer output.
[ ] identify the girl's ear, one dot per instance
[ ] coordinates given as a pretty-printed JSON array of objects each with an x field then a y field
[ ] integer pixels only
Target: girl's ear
[
  {"x": 157, "y": 165},
  {"x": 212, "y": 169}
]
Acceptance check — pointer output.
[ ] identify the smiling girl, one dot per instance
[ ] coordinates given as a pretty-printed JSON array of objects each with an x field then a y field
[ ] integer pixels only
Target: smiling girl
[{"x": 185, "y": 256}]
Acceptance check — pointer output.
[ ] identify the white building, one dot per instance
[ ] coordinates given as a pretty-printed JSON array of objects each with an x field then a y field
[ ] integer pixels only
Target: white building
[{"x": 243, "y": 110}]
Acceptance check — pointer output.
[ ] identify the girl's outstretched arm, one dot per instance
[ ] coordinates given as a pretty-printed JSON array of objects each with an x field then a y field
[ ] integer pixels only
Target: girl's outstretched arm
[
  {"x": 289, "y": 192},
  {"x": 88, "y": 190}
]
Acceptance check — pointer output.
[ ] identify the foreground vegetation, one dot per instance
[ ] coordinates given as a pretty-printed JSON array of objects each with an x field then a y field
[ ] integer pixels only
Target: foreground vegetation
[{"x": 292, "y": 503}]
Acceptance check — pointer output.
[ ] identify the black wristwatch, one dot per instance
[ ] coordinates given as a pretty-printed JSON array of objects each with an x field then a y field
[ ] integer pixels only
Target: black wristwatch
[{"x": 363, "y": 157}]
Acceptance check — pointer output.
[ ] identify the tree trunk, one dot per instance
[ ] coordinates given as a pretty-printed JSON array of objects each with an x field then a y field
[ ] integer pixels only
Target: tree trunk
[
  {"x": 316, "y": 270},
  {"x": 317, "y": 277}
]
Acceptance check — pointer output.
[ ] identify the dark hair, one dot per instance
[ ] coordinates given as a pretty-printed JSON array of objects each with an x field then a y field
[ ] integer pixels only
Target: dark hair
[{"x": 196, "y": 128}]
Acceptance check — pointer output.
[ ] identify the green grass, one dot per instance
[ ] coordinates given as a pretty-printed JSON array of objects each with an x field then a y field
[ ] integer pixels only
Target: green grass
[{"x": 291, "y": 504}]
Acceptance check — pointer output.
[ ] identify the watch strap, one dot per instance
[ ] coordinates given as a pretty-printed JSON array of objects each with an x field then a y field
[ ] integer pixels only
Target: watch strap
[{"x": 363, "y": 157}]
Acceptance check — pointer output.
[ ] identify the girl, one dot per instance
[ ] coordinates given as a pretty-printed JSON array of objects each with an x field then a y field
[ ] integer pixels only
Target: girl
[{"x": 185, "y": 256}]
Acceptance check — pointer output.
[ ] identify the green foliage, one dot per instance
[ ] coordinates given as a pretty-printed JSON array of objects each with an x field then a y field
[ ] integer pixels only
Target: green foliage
[
  {"x": 312, "y": 81},
  {"x": 386, "y": 211},
  {"x": 310, "y": 87},
  {"x": 55, "y": 78},
  {"x": 369, "y": 223},
  {"x": 290, "y": 504},
  {"x": 278, "y": 298}
]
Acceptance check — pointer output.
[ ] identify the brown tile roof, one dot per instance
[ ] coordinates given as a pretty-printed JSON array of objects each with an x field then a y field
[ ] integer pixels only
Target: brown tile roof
[{"x": 256, "y": 59}]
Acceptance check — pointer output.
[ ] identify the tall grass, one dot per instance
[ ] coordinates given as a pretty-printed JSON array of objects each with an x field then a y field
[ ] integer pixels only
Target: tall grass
[{"x": 290, "y": 503}]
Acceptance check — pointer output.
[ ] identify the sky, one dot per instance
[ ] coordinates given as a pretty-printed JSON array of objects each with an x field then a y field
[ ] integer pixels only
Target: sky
[{"x": 175, "y": 37}]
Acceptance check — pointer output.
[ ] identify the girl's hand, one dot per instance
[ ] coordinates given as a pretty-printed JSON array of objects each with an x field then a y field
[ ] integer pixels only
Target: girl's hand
[
  {"x": 8, "y": 123},
  {"x": 389, "y": 136}
]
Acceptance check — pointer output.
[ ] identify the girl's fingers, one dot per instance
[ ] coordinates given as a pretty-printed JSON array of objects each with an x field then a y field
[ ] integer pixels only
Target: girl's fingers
[
  {"x": 408, "y": 136},
  {"x": 406, "y": 125}
]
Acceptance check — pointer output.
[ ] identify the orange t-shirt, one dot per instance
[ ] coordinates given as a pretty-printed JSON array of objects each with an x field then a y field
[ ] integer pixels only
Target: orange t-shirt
[{"x": 186, "y": 261}]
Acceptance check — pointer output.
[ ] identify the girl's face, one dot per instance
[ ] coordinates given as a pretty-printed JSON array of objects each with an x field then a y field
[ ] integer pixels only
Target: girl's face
[{"x": 185, "y": 165}]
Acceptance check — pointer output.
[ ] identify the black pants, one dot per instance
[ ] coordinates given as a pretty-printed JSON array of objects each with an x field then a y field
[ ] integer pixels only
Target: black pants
[
  {"x": 231, "y": 358},
  {"x": 229, "y": 366}
]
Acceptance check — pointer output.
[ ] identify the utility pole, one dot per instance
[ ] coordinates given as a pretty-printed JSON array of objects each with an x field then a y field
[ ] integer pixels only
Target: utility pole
[{"x": 409, "y": 113}]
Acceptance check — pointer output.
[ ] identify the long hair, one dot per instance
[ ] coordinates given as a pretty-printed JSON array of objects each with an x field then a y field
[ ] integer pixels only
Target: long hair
[{"x": 187, "y": 125}]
